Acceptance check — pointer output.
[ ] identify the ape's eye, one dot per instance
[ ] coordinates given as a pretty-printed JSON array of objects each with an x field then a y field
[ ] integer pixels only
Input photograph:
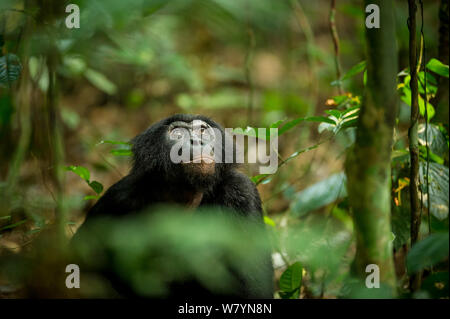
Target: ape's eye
[{"x": 177, "y": 133}]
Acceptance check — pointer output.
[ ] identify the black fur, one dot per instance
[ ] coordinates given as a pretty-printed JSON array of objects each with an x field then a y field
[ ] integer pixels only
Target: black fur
[{"x": 154, "y": 179}]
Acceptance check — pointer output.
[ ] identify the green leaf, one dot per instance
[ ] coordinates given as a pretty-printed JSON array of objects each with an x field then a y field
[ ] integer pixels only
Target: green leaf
[
  {"x": 257, "y": 178},
  {"x": 320, "y": 194},
  {"x": 400, "y": 221},
  {"x": 438, "y": 67},
  {"x": 350, "y": 122},
  {"x": 100, "y": 81},
  {"x": 80, "y": 171},
  {"x": 276, "y": 124},
  {"x": 358, "y": 68},
  {"x": 291, "y": 124},
  {"x": 406, "y": 97},
  {"x": 320, "y": 119},
  {"x": 439, "y": 188},
  {"x": 431, "y": 83},
  {"x": 333, "y": 112},
  {"x": 428, "y": 252},
  {"x": 433, "y": 157},
  {"x": 269, "y": 221},
  {"x": 122, "y": 152},
  {"x": 436, "y": 139},
  {"x": 96, "y": 186},
  {"x": 291, "y": 281}
]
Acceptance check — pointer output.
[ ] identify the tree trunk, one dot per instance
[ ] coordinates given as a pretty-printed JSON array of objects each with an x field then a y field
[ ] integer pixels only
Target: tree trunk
[
  {"x": 441, "y": 99},
  {"x": 368, "y": 163}
]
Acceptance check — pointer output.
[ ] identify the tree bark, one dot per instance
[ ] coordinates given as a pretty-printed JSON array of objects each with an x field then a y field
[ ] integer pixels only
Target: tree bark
[
  {"x": 441, "y": 99},
  {"x": 368, "y": 164},
  {"x": 413, "y": 135}
]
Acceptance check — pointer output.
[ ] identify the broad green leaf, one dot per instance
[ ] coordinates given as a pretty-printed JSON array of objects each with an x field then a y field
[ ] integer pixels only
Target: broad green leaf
[
  {"x": 320, "y": 194},
  {"x": 428, "y": 252},
  {"x": 291, "y": 124},
  {"x": 320, "y": 119},
  {"x": 406, "y": 97},
  {"x": 358, "y": 68},
  {"x": 291, "y": 281},
  {"x": 276, "y": 124},
  {"x": 335, "y": 113},
  {"x": 424, "y": 155},
  {"x": 431, "y": 83},
  {"x": 400, "y": 223},
  {"x": 439, "y": 188},
  {"x": 96, "y": 186},
  {"x": 438, "y": 67},
  {"x": 350, "y": 122},
  {"x": 436, "y": 139},
  {"x": 80, "y": 171}
]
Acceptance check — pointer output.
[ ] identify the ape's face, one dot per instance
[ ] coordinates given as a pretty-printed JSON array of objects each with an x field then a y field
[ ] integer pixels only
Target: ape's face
[
  {"x": 192, "y": 146},
  {"x": 182, "y": 148}
]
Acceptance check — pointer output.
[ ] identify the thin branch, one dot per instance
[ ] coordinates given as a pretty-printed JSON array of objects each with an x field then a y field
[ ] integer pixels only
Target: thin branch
[
  {"x": 427, "y": 177},
  {"x": 305, "y": 27},
  {"x": 247, "y": 68},
  {"x": 335, "y": 37}
]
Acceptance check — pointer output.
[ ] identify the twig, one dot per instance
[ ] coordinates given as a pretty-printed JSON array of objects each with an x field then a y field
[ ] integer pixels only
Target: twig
[
  {"x": 423, "y": 51},
  {"x": 305, "y": 27},
  {"x": 247, "y": 70},
  {"x": 335, "y": 37}
]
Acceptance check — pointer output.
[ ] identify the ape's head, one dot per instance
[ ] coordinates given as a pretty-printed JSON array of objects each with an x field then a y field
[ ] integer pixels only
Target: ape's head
[{"x": 182, "y": 148}]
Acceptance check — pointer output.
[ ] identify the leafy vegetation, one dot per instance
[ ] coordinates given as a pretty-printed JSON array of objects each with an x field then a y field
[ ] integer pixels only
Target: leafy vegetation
[{"x": 72, "y": 99}]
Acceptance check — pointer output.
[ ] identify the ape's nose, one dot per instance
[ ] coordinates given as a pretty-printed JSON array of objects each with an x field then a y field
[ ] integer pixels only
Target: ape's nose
[{"x": 196, "y": 141}]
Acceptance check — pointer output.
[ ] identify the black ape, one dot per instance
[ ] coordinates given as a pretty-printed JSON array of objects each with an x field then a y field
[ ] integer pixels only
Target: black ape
[{"x": 202, "y": 179}]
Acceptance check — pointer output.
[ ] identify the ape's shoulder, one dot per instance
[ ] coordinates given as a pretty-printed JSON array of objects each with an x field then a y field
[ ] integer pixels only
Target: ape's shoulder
[
  {"x": 120, "y": 199},
  {"x": 238, "y": 192}
]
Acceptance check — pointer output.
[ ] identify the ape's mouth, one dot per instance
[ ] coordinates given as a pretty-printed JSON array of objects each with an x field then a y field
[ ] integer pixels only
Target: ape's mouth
[
  {"x": 201, "y": 164},
  {"x": 202, "y": 159}
]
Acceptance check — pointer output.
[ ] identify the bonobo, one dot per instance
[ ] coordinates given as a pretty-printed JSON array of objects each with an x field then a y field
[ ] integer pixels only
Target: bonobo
[{"x": 200, "y": 178}]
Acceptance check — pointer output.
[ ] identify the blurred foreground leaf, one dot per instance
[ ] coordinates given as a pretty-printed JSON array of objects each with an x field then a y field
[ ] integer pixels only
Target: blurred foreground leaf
[
  {"x": 320, "y": 194},
  {"x": 291, "y": 281},
  {"x": 428, "y": 252}
]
